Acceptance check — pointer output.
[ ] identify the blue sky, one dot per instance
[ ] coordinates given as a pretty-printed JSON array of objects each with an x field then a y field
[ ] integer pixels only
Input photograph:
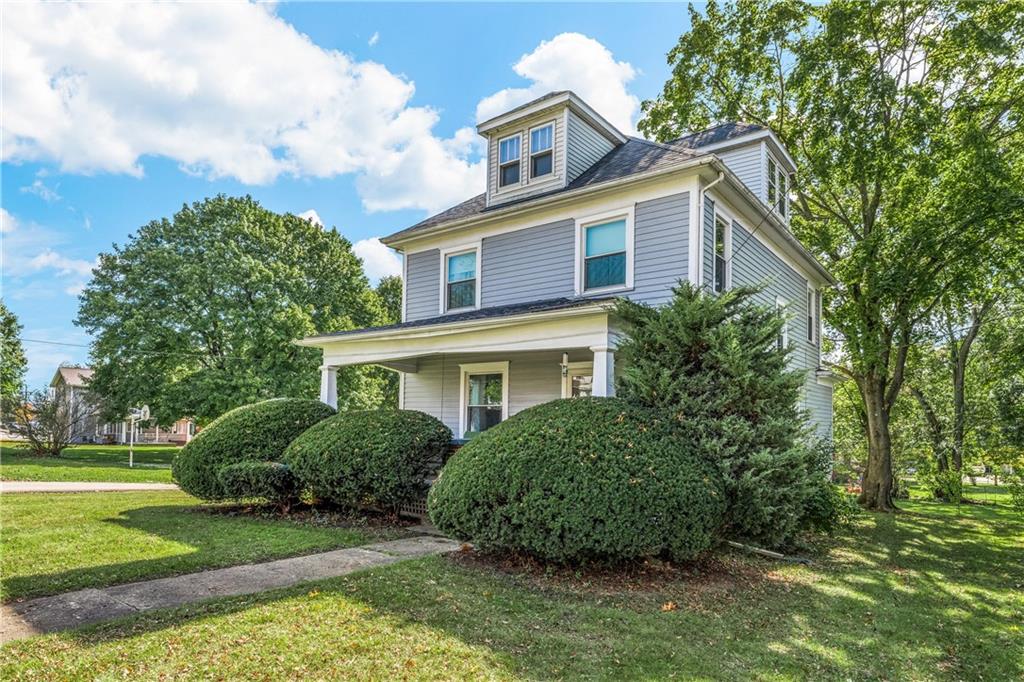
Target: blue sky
[{"x": 362, "y": 113}]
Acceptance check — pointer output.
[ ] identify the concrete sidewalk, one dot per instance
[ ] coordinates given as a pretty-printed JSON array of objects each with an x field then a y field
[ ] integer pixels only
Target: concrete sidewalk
[
  {"x": 76, "y": 487},
  {"x": 73, "y": 609}
]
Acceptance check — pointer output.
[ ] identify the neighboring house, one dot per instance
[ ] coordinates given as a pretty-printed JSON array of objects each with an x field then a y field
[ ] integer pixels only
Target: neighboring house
[
  {"x": 507, "y": 296},
  {"x": 88, "y": 428}
]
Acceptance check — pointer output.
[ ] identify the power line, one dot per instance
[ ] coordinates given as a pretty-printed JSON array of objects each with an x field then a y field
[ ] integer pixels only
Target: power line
[{"x": 143, "y": 352}]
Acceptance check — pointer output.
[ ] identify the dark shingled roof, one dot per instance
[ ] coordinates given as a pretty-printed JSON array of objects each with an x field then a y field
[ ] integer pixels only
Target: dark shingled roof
[
  {"x": 635, "y": 156},
  {"x": 715, "y": 134},
  {"x": 544, "y": 306}
]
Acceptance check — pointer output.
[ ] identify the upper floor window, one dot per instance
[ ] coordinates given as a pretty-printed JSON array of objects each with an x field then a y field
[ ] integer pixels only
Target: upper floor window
[
  {"x": 813, "y": 316},
  {"x": 604, "y": 258},
  {"x": 542, "y": 150},
  {"x": 721, "y": 260},
  {"x": 508, "y": 161},
  {"x": 778, "y": 192},
  {"x": 461, "y": 280}
]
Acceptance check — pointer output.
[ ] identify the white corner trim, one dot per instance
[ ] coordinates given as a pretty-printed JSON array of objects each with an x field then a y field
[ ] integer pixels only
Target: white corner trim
[
  {"x": 628, "y": 212},
  {"x": 782, "y": 305},
  {"x": 696, "y": 221},
  {"x": 405, "y": 283},
  {"x": 455, "y": 251},
  {"x": 468, "y": 369}
]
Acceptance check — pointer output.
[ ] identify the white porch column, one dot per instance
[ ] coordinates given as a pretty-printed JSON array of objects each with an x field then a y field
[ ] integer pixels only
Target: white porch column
[
  {"x": 329, "y": 385},
  {"x": 604, "y": 371}
]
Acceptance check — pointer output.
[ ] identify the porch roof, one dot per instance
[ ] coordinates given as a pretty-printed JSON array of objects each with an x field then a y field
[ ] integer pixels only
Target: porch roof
[{"x": 490, "y": 313}]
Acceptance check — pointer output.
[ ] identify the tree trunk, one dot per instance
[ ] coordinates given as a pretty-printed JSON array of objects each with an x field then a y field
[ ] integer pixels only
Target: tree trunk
[{"x": 876, "y": 488}]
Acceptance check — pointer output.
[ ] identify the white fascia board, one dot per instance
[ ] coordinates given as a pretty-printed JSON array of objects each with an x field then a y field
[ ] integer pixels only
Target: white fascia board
[{"x": 582, "y": 331}]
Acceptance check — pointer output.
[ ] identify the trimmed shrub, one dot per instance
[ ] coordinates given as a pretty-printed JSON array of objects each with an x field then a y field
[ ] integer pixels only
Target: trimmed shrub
[
  {"x": 258, "y": 432},
  {"x": 376, "y": 458},
  {"x": 582, "y": 479},
  {"x": 270, "y": 481},
  {"x": 827, "y": 508}
]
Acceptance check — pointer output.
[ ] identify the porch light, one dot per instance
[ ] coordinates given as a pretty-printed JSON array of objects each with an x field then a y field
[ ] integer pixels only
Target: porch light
[{"x": 565, "y": 365}]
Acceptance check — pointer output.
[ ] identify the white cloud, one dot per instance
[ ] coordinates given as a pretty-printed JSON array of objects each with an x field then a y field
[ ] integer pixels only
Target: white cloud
[
  {"x": 313, "y": 216},
  {"x": 39, "y": 188},
  {"x": 374, "y": 39},
  {"x": 51, "y": 260},
  {"x": 95, "y": 87},
  {"x": 378, "y": 260},
  {"x": 572, "y": 61},
  {"x": 8, "y": 223}
]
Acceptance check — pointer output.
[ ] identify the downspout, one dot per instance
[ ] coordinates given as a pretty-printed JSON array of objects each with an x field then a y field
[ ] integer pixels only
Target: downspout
[{"x": 700, "y": 221}]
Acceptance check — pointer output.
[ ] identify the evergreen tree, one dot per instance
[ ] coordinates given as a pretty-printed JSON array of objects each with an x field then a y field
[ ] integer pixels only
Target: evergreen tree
[
  {"x": 716, "y": 362},
  {"x": 12, "y": 359}
]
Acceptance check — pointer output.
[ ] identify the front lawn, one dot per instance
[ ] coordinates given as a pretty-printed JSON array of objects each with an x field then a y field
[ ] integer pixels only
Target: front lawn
[
  {"x": 59, "y": 542},
  {"x": 89, "y": 463},
  {"x": 926, "y": 594}
]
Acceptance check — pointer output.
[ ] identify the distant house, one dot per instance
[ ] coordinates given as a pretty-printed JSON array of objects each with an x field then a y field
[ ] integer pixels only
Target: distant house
[
  {"x": 508, "y": 297},
  {"x": 73, "y": 383}
]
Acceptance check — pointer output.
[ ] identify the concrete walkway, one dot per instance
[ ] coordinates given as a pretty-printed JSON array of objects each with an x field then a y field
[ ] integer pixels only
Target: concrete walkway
[
  {"x": 76, "y": 487},
  {"x": 73, "y": 609}
]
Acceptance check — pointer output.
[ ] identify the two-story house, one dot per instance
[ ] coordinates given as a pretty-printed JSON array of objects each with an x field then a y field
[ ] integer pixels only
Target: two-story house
[{"x": 507, "y": 296}]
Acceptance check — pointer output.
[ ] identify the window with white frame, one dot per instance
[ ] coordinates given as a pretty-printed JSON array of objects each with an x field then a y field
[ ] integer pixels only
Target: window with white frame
[
  {"x": 721, "y": 264},
  {"x": 542, "y": 150},
  {"x": 483, "y": 397},
  {"x": 508, "y": 161},
  {"x": 460, "y": 271},
  {"x": 778, "y": 190},
  {"x": 782, "y": 341},
  {"x": 605, "y": 254},
  {"x": 578, "y": 381}
]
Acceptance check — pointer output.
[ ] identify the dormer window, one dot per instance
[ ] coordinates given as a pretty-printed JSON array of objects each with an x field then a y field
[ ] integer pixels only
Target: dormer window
[
  {"x": 542, "y": 150},
  {"x": 508, "y": 161},
  {"x": 778, "y": 192}
]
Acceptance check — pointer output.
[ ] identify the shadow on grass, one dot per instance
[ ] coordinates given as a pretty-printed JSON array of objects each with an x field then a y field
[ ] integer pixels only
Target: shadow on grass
[
  {"x": 183, "y": 539},
  {"x": 921, "y": 594}
]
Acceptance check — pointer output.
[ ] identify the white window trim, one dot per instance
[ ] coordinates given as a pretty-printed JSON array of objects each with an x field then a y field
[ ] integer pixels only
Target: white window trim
[
  {"x": 727, "y": 217},
  {"x": 583, "y": 222},
  {"x": 582, "y": 368},
  {"x": 455, "y": 251},
  {"x": 781, "y": 305},
  {"x": 469, "y": 369},
  {"x": 813, "y": 315},
  {"x": 498, "y": 187},
  {"x": 530, "y": 155}
]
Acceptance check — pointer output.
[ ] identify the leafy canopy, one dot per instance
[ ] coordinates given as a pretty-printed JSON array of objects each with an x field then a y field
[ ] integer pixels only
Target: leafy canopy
[
  {"x": 12, "y": 359},
  {"x": 196, "y": 314}
]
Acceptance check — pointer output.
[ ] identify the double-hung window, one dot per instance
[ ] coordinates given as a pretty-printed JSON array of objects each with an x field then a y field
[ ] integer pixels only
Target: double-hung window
[
  {"x": 508, "y": 161},
  {"x": 461, "y": 280},
  {"x": 812, "y": 323},
  {"x": 542, "y": 150},
  {"x": 604, "y": 255},
  {"x": 721, "y": 261},
  {"x": 778, "y": 192}
]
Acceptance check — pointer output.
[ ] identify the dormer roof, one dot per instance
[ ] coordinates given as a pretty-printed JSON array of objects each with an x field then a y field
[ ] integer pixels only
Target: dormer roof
[{"x": 550, "y": 100}]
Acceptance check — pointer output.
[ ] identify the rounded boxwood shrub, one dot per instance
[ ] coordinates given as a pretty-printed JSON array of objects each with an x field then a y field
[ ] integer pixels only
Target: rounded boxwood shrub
[
  {"x": 258, "y": 432},
  {"x": 582, "y": 479},
  {"x": 376, "y": 458},
  {"x": 270, "y": 481}
]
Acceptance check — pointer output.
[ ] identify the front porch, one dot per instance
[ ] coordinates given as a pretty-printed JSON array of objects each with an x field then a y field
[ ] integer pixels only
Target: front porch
[{"x": 473, "y": 373}]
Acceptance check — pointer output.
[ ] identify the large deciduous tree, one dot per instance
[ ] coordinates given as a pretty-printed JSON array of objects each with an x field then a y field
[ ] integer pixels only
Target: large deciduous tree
[
  {"x": 196, "y": 314},
  {"x": 904, "y": 118},
  {"x": 12, "y": 359}
]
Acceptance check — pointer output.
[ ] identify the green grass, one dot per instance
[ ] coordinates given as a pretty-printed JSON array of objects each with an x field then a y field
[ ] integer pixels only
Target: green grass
[
  {"x": 923, "y": 595},
  {"x": 59, "y": 542},
  {"x": 108, "y": 463}
]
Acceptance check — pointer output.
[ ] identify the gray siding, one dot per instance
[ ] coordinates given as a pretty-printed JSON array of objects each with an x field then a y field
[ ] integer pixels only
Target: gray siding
[
  {"x": 746, "y": 162},
  {"x": 528, "y": 265},
  {"x": 662, "y": 235},
  {"x": 424, "y": 285},
  {"x": 708, "y": 239},
  {"x": 754, "y": 263},
  {"x": 585, "y": 146},
  {"x": 533, "y": 378}
]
